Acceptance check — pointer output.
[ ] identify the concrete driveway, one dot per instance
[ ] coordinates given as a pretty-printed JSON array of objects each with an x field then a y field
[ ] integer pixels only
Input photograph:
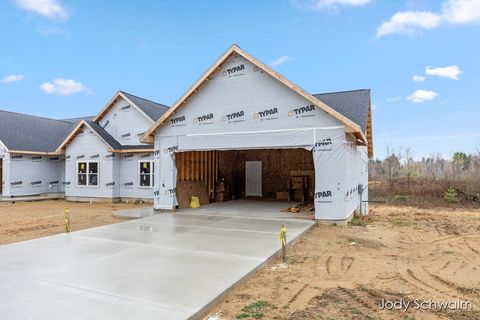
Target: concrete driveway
[{"x": 160, "y": 267}]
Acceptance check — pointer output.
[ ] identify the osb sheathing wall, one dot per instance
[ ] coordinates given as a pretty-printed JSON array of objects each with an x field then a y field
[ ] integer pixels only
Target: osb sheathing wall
[
  {"x": 277, "y": 167},
  {"x": 199, "y": 166}
]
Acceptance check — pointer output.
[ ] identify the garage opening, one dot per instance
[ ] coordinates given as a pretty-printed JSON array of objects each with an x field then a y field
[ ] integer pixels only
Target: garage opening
[{"x": 268, "y": 174}]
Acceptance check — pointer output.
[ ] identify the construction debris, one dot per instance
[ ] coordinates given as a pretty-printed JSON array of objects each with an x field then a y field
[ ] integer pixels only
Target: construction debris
[{"x": 301, "y": 207}]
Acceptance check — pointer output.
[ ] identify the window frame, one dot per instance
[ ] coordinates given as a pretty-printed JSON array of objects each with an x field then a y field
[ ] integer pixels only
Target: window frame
[
  {"x": 151, "y": 174},
  {"x": 88, "y": 185}
]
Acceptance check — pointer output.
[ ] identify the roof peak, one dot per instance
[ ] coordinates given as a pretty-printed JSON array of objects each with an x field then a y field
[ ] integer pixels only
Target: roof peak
[{"x": 133, "y": 95}]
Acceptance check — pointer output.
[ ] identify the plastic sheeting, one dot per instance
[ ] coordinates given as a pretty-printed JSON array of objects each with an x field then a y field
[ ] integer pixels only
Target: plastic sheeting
[{"x": 165, "y": 173}]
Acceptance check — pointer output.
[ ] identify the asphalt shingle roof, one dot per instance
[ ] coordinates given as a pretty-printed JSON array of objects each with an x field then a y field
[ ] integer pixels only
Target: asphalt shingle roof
[
  {"x": 351, "y": 104},
  {"x": 152, "y": 109},
  {"x": 111, "y": 141},
  {"x": 24, "y": 132}
]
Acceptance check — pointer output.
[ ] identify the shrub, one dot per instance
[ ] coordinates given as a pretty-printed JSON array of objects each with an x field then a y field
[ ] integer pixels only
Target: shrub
[
  {"x": 400, "y": 198},
  {"x": 451, "y": 195}
]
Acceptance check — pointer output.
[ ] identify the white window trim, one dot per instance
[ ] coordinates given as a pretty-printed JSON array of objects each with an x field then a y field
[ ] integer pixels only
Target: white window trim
[
  {"x": 152, "y": 163},
  {"x": 88, "y": 167}
]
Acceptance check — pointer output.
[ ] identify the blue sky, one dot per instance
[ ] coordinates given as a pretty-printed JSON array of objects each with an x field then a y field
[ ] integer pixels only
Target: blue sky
[{"x": 66, "y": 58}]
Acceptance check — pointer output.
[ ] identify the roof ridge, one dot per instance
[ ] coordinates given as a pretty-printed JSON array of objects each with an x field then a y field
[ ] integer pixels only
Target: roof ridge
[
  {"x": 343, "y": 91},
  {"x": 161, "y": 104},
  {"x": 34, "y": 116}
]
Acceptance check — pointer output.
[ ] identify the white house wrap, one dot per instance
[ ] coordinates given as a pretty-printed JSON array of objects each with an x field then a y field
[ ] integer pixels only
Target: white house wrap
[{"x": 241, "y": 106}]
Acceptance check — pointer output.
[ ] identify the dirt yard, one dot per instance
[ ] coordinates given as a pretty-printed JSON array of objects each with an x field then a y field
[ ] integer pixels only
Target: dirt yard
[
  {"x": 337, "y": 272},
  {"x": 28, "y": 220}
]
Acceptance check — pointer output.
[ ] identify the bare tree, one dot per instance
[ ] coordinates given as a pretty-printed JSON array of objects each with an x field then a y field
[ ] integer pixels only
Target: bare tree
[
  {"x": 391, "y": 166},
  {"x": 408, "y": 165}
]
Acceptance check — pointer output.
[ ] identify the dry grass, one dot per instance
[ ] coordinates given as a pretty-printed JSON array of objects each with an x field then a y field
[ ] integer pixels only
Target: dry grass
[{"x": 28, "y": 220}]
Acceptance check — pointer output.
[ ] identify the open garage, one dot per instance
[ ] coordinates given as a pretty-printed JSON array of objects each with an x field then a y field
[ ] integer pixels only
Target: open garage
[{"x": 273, "y": 174}]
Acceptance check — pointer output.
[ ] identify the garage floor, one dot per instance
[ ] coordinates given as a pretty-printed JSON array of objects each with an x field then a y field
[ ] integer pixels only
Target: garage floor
[{"x": 160, "y": 267}]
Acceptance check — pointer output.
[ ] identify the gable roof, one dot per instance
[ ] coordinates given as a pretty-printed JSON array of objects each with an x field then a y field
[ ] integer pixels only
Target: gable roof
[
  {"x": 150, "y": 109},
  {"x": 350, "y": 126},
  {"x": 352, "y": 104},
  {"x": 106, "y": 137},
  {"x": 21, "y": 132}
]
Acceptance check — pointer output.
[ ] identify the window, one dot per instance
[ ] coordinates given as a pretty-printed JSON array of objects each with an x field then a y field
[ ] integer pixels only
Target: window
[
  {"x": 87, "y": 173},
  {"x": 146, "y": 174}
]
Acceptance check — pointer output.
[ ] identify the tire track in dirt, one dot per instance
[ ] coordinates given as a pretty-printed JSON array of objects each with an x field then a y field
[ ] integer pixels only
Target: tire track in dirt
[
  {"x": 417, "y": 278},
  {"x": 463, "y": 290},
  {"x": 357, "y": 298},
  {"x": 412, "y": 284},
  {"x": 456, "y": 237},
  {"x": 445, "y": 266},
  {"x": 297, "y": 294},
  {"x": 470, "y": 247}
]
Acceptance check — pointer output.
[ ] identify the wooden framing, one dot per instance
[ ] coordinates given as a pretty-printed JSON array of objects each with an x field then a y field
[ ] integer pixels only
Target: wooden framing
[
  {"x": 199, "y": 166},
  {"x": 350, "y": 126},
  {"x": 369, "y": 133},
  {"x": 130, "y": 150},
  {"x": 40, "y": 153}
]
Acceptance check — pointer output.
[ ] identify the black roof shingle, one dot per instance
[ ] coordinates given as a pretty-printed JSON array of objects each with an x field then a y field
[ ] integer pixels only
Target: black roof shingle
[{"x": 351, "y": 104}]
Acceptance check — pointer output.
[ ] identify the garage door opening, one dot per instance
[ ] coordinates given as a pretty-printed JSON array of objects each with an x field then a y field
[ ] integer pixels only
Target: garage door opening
[{"x": 267, "y": 174}]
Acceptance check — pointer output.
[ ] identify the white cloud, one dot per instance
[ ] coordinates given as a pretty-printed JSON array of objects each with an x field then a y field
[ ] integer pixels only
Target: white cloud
[
  {"x": 451, "y": 72},
  {"x": 408, "y": 22},
  {"x": 452, "y": 12},
  {"x": 418, "y": 78},
  {"x": 394, "y": 99},
  {"x": 461, "y": 11},
  {"x": 280, "y": 61},
  {"x": 13, "y": 78},
  {"x": 46, "y": 8},
  {"x": 63, "y": 87},
  {"x": 374, "y": 107},
  {"x": 420, "y": 96},
  {"x": 334, "y": 3}
]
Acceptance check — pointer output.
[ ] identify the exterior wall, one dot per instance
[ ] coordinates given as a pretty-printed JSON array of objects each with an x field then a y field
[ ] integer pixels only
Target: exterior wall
[
  {"x": 356, "y": 174},
  {"x": 129, "y": 186},
  {"x": 5, "y": 156},
  {"x": 87, "y": 146},
  {"x": 32, "y": 174},
  {"x": 118, "y": 173},
  {"x": 125, "y": 123},
  {"x": 340, "y": 167}
]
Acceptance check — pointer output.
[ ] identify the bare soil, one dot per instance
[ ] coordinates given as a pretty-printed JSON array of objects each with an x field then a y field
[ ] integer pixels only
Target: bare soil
[
  {"x": 28, "y": 220},
  {"x": 344, "y": 272}
]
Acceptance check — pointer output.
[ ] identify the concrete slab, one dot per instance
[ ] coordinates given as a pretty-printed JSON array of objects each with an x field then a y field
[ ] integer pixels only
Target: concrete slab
[
  {"x": 166, "y": 266},
  {"x": 245, "y": 208},
  {"x": 135, "y": 213}
]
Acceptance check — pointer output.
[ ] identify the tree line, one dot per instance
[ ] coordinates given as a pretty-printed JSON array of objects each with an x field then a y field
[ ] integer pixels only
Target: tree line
[{"x": 430, "y": 175}]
